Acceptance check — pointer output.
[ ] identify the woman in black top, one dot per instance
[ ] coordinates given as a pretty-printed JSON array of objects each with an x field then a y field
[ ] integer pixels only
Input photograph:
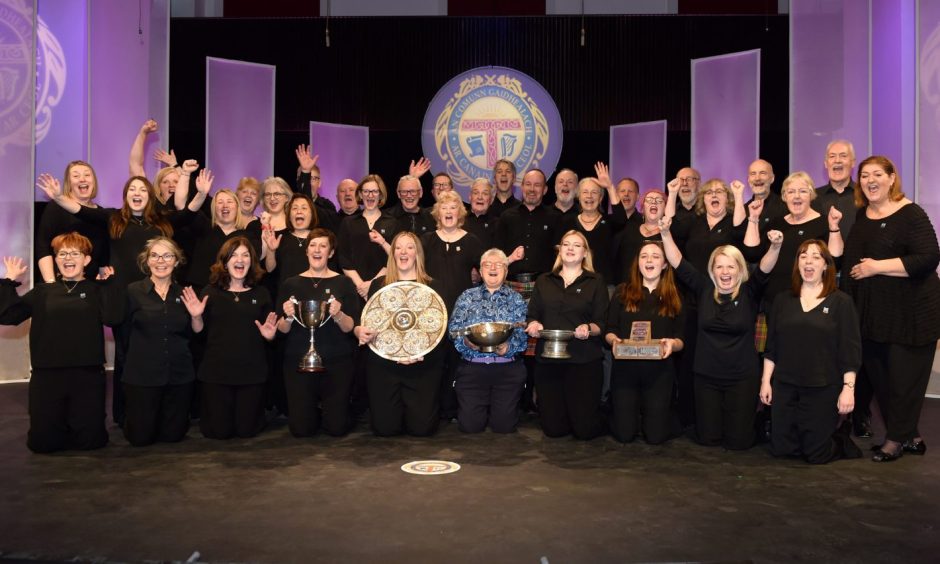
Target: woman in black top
[
  {"x": 726, "y": 365},
  {"x": 628, "y": 241},
  {"x": 80, "y": 183},
  {"x": 889, "y": 269},
  {"x": 238, "y": 317},
  {"x": 286, "y": 250},
  {"x": 306, "y": 391},
  {"x": 403, "y": 396},
  {"x": 158, "y": 374},
  {"x": 594, "y": 225},
  {"x": 363, "y": 238},
  {"x": 451, "y": 258},
  {"x": 129, "y": 228},
  {"x": 570, "y": 297},
  {"x": 645, "y": 386},
  {"x": 802, "y": 223},
  {"x": 66, "y": 347},
  {"x": 813, "y": 353}
]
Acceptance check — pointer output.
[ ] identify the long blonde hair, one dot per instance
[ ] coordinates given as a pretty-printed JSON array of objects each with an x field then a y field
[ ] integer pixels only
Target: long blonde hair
[
  {"x": 587, "y": 263},
  {"x": 391, "y": 267}
]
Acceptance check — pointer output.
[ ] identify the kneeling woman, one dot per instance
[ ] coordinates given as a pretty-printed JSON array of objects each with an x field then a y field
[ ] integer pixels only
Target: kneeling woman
[
  {"x": 726, "y": 365},
  {"x": 238, "y": 317},
  {"x": 814, "y": 350},
  {"x": 403, "y": 397},
  {"x": 159, "y": 373},
  {"x": 334, "y": 342},
  {"x": 66, "y": 347},
  {"x": 570, "y": 297},
  {"x": 645, "y": 386},
  {"x": 489, "y": 384}
]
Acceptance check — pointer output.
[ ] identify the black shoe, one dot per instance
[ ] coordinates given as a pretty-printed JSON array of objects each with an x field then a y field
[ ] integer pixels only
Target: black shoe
[
  {"x": 882, "y": 456},
  {"x": 918, "y": 448},
  {"x": 861, "y": 426}
]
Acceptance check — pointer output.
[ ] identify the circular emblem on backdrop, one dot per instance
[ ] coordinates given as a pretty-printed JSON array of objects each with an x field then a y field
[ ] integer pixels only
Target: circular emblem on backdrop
[
  {"x": 487, "y": 114},
  {"x": 430, "y": 467}
]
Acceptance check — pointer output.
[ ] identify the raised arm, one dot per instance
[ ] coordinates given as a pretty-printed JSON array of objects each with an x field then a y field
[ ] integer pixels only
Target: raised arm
[
  {"x": 836, "y": 243},
  {"x": 203, "y": 185},
  {"x": 737, "y": 188},
  {"x": 603, "y": 178},
  {"x": 752, "y": 235},
  {"x": 419, "y": 168},
  {"x": 182, "y": 187},
  {"x": 673, "y": 254},
  {"x": 769, "y": 260},
  {"x": 673, "y": 189},
  {"x": 135, "y": 162},
  {"x": 50, "y": 186}
]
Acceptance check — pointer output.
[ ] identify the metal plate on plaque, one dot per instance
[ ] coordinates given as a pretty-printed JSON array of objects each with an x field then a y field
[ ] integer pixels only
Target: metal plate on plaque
[
  {"x": 410, "y": 319},
  {"x": 639, "y": 345}
]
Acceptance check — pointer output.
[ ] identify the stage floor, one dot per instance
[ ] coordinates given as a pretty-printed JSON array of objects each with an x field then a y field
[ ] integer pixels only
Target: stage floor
[{"x": 517, "y": 498}]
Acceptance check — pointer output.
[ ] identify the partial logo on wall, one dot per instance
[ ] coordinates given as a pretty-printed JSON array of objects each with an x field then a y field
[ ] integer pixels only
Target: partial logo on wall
[
  {"x": 16, "y": 78},
  {"x": 487, "y": 114}
]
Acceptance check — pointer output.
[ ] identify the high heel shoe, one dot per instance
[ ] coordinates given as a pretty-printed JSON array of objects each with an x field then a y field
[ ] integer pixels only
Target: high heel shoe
[
  {"x": 919, "y": 448},
  {"x": 882, "y": 456}
]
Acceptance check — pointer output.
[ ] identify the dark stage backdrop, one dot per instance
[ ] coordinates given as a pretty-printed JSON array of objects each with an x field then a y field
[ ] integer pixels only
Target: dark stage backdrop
[{"x": 383, "y": 72}]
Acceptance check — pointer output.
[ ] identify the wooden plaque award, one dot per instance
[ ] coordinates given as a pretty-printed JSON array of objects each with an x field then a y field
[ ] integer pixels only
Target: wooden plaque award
[{"x": 638, "y": 346}]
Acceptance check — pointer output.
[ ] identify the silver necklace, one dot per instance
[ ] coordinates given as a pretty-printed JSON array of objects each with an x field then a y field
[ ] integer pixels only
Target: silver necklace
[{"x": 69, "y": 290}]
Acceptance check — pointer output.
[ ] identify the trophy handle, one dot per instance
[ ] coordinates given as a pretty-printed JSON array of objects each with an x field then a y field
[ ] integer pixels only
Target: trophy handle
[
  {"x": 329, "y": 317},
  {"x": 296, "y": 303}
]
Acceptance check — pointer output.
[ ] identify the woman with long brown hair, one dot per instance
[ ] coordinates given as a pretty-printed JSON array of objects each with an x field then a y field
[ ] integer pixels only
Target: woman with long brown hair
[
  {"x": 238, "y": 317},
  {"x": 644, "y": 387}
]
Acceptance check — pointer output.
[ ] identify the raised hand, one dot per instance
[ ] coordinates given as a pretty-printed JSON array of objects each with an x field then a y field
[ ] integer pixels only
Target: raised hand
[
  {"x": 737, "y": 188},
  {"x": 49, "y": 185},
  {"x": 190, "y": 166},
  {"x": 269, "y": 328},
  {"x": 603, "y": 174},
  {"x": 665, "y": 222},
  {"x": 15, "y": 267},
  {"x": 834, "y": 217},
  {"x": 673, "y": 186},
  {"x": 169, "y": 159},
  {"x": 270, "y": 240},
  {"x": 105, "y": 272},
  {"x": 376, "y": 237},
  {"x": 194, "y": 305},
  {"x": 204, "y": 180},
  {"x": 517, "y": 254},
  {"x": 776, "y": 238},
  {"x": 417, "y": 169},
  {"x": 305, "y": 157},
  {"x": 148, "y": 127},
  {"x": 755, "y": 208}
]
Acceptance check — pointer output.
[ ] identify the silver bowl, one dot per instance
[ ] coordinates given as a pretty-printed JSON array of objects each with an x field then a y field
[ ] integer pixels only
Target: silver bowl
[
  {"x": 488, "y": 335},
  {"x": 556, "y": 342}
]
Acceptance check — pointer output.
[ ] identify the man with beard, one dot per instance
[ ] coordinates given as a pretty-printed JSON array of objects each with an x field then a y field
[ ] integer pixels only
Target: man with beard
[
  {"x": 480, "y": 221},
  {"x": 407, "y": 211},
  {"x": 528, "y": 233},
  {"x": 689, "y": 180},
  {"x": 504, "y": 176},
  {"x": 566, "y": 192}
]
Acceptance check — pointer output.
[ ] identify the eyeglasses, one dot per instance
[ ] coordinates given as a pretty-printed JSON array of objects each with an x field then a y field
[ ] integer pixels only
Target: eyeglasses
[
  {"x": 441, "y": 185},
  {"x": 165, "y": 257},
  {"x": 713, "y": 192},
  {"x": 653, "y": 201},
  {"x": 315, "y": 179},
  {"x": 370, "y": 192},
  {"x": 275, "y": 195},
  {"x": 69, "y": 254},
  {"x": 407, "y": 192},
  {"x": 800, "y": 191},
  {"x": 494, "y": 265},
  {"x": 688, "y": 179}
]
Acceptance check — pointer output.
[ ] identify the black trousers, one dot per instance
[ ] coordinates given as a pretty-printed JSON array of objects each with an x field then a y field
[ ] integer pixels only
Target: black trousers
[
  {"x": 685, "y": 360},
  {"x": 641, "y": 388},
  {"x": 156, "y": 413},
  {"x": 899, "y": 374},
  {"x": 231, "y": 411},
  {"x": 805, "y": 420},
  {"x": 67, "y": 409},
  {"x": 122, "y": 336},
  {"x": 308, "y": 392},
  {"x": 404, "y": 398},
  {"x": 448, "y": 377},
  {"x": 489, "y": 393},
  {"x": 725, "y": 410},
  {"x": 569, "y": 398}
]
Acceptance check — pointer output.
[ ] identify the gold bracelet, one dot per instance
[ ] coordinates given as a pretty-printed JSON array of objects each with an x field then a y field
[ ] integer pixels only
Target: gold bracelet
[{"x": 850, "y": 385}]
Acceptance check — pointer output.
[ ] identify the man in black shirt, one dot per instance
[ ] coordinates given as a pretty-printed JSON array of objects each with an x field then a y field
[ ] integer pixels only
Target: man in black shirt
[
  {"x": 407, "y": 211},
  {"x": 346, "y": 196},
  {"x": 840, "y": 192},
  {"x": 504, "y": 177},
  {"x": 308, "y": 181},
  {"x": 760, "y": 177},
  {"x": 566, "y": 192},
  {"x": 689, "y": 181},
  {"x": 623, "y": 204},
  {"x": 528, "y": 233},
  {"x": 479, "y": 220}
]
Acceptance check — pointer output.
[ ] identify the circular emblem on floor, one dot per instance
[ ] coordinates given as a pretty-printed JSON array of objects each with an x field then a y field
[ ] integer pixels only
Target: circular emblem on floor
[{"x": 430, "y": 467}]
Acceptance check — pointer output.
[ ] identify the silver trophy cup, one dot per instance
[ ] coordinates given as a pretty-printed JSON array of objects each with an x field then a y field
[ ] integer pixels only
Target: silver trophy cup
[{"x": 313, "y": 314}]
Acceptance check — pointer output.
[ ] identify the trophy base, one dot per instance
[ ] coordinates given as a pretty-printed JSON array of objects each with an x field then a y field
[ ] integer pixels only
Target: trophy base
[
  {"x": 311, "y": 363},
  {"x": 310, "y": 369},
  {"x": 638, "y": 350}
]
